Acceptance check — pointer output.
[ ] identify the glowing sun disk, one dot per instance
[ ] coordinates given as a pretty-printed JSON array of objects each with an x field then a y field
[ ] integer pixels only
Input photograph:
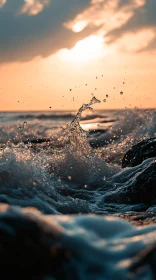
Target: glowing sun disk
[{"x": 85, "y": 50}]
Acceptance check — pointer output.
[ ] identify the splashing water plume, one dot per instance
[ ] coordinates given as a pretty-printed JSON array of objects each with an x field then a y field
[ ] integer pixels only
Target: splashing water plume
[
  {"x": 69, "y": 174},
  {"x": 77, "y": 161},
  {"x": 76, "y": 135}
]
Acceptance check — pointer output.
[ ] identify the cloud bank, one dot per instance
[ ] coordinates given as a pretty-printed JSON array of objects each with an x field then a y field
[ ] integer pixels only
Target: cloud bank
[
  {"x": 31, "y": 28},
  {"x": 35, "y": 28},
  {"x": 143, "y": 19}
]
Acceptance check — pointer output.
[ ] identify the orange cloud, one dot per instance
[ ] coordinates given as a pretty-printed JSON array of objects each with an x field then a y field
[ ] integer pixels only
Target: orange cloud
[
  {"x": 129, "y": 25},
  {"x": 142, "y": 22},
  {"x": 33, "y": 7},
  {"x": 39, "y": 31},
  {"x": 134, "y": 42},
  {"x": 35, "y": 29},
  {"x": 106, "y": 14},
  {"x": 2, "y": 3}
]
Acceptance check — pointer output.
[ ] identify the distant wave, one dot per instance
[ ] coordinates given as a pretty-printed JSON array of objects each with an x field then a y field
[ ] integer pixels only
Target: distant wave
[
  {"x": 91, "y": 117},
  {"x": 45, "y": 116},
  {"x": 58, "y": 116}
]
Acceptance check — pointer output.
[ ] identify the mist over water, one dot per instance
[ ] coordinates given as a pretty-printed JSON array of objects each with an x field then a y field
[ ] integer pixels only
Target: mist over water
[{"x": 64, "y": 163}]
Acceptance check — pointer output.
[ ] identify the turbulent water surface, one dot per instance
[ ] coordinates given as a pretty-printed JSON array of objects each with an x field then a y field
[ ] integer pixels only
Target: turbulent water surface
[{"x": 65, "y": 163}]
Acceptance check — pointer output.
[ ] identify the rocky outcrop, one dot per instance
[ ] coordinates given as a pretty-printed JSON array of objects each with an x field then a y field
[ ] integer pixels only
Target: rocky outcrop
[
  {"x": 140, "y": 188},
  {"x": 138, "y": 153}
]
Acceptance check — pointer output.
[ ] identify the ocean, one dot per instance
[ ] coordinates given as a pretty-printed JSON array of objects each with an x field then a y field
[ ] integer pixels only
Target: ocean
[{"x": 73, "y": 206}]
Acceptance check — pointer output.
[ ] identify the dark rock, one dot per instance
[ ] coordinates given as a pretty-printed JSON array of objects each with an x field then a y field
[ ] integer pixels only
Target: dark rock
[
  {"x": 141, "y": 188},
  {"x": 28, "y": 251},
  {"x": 4, "y": 175},
  {"x": 138, "y": 153}
]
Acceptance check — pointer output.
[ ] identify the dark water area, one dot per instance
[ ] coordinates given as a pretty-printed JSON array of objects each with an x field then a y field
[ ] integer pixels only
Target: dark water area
[{"x": 65, "y": 190}]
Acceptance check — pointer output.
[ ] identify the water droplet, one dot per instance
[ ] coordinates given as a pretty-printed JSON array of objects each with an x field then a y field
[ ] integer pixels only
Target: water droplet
[
  {"x": 94, "y": 100},
  {"x": 104, "y": 100},
  {"x": 121, "y": 92},
  {"x": 107, "y": 95}
]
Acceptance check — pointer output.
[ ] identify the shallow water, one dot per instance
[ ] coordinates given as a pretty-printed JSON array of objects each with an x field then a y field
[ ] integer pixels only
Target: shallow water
[
  {"x": 66, "y": 163},
  {"x": 78, "y": 169}
]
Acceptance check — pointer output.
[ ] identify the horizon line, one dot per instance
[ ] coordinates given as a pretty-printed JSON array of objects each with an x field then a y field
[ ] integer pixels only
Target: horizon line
[{"x": 70, "y": 110}]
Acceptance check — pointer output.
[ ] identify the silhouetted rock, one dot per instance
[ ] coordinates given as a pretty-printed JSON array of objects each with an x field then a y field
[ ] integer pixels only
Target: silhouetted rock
[
  {"x": 27, "y": 251},
  {"x": 138, "y": 153},
  {"x": 141, "y": 188}
]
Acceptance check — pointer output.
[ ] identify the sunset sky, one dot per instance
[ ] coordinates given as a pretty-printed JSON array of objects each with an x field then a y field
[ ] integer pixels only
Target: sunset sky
[{"x": 58, "y": 53}]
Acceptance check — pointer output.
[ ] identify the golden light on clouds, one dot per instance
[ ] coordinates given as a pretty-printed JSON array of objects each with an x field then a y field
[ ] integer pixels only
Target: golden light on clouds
[
  {"x": 68, "y": 45},
  {"x": 79, "y": 26},
  {"x": 104, "y": 14},
  {"x": 2, "y": 3},
  {"x": 85, "y": 50},
  {"x": 33, "y": 7},
  {"x": 133, "y": 42},
  {"x": 107, "y": 16}
]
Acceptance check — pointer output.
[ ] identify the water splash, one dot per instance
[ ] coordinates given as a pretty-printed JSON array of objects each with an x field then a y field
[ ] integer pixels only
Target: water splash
[
  {"x": 22, "y": 127},
  {"x": 78, "y": 162},
  {"x": 76, "y": 135}
]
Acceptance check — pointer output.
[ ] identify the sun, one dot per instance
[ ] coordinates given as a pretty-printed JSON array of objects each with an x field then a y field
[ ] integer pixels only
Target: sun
[
  {"x": 85, "y": 50},
  {"x": 79, "y": 26}
]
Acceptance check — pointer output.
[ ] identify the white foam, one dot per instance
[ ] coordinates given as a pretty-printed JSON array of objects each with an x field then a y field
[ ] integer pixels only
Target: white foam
[{"x": 103, "y": 248}]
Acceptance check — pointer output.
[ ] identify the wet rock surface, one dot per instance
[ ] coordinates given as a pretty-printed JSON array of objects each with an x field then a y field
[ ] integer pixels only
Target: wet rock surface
[
  {"x": 138, "y": 153},
  {"x": 141, "y": 188}
]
